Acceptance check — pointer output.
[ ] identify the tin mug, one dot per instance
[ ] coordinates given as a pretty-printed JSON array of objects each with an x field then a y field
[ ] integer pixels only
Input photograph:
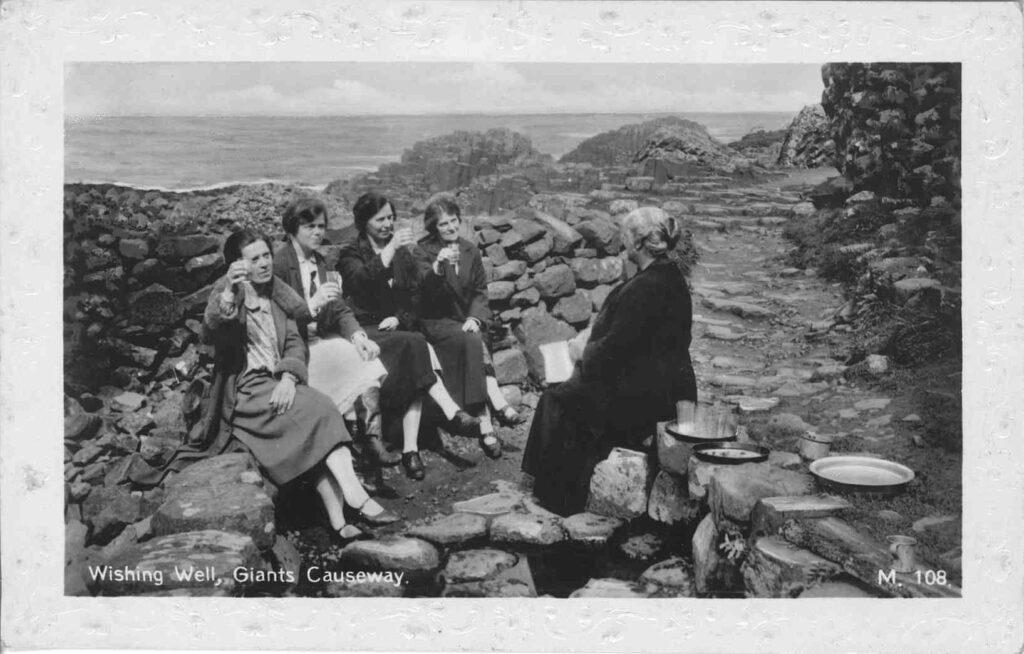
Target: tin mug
[{"x": 901, "y": 549}]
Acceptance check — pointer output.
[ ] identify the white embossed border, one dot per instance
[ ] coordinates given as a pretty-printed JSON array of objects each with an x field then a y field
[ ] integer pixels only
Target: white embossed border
[{"x": 36, "y": 38}]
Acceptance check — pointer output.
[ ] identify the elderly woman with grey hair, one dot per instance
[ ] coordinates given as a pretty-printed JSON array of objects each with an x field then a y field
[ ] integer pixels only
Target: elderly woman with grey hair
[{"x": 633, "y": 370}]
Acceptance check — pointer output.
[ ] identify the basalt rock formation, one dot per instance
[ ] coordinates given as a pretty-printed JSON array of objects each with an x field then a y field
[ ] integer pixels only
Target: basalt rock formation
[{"x": 808, "y": 143}]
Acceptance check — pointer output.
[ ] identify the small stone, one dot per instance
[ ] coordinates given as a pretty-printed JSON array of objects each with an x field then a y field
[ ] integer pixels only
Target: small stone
[
  {"x": 674, "y": 572},
  {"x": 590, "y": 528},
  {"x": 848, "y": 414},
  {"x": 618, "y": 486},
  {"x": 498, "y": 291},
  {"x": 642, "y": 547},
  {"x": 934, "y": 521},
  {"x": 876, "y": 404},
  {"x": 748, "y": 404},
  {"x": 890, "y": 516},
  {"x": 612, "y": 588},
  {"x": 880, "y": 421},
  {"x": 129, "y": 401},
  {"x": 912, "y": 417},
  {"x": 670, "y": 502},
  {"x": 493, "y": 504},
  {"x": 526, "y": 529},
  {"x": 477, "y": 565}
]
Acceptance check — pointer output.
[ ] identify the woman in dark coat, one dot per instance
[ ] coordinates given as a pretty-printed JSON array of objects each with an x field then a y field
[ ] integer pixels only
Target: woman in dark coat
[
  {"x": 632, "y": 372},
  {"x": 379, "y": 281},
  {"x": 289, "y": 427},
  {"x": 454, "y": 313}
]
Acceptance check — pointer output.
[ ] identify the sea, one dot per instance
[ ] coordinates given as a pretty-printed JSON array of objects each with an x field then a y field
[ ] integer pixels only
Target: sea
[{"x": 200, "y": 152}]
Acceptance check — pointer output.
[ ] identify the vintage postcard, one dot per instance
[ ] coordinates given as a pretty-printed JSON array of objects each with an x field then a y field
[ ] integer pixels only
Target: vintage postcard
[{"x": 562, "y": 326}]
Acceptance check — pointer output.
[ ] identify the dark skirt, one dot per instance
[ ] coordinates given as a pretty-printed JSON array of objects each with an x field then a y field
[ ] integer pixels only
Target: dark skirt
[
  {"x": 407, "y": 359},
  {"x": 462, "y": 360},
  {"x": 289, "y": 444},
  {"x": 573, "y": 430}
]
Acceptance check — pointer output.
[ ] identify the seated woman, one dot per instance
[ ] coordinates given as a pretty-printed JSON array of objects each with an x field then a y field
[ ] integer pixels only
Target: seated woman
[
  {"x": 633, "y": 370},
  {"x": 379, "y": 279},
  {"x": 453, "y": 311},
  {"x": 289, "y": 427},
  {"x": 343, "y": 361}
]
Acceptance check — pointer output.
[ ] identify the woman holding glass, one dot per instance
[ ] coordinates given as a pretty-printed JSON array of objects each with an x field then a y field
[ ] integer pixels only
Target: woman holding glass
[
  {"x": 379, "y": 281},
  {"x": 343, "y": 361},
  {"x": 265, "y": 402}
]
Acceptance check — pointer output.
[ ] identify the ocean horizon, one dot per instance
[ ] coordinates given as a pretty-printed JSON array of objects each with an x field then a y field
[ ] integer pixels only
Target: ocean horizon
[{"x": 178, "y": 153}]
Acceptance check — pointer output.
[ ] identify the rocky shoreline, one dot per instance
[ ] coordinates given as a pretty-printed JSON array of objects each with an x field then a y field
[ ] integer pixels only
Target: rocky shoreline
[{"x": 139, "y": 266}]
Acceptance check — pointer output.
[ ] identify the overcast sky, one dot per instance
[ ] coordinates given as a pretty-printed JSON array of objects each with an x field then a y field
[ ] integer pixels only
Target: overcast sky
[{"x": 424, "y": 88}]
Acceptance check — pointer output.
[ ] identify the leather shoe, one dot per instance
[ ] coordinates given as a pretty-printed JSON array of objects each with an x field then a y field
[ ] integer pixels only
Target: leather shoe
[
  {"x": 491, "y": 445},
  {"x": 347, "y": 534},
  {"x": 385, "y": 517},
  {"x": 381, "y": 454},
  {"x": 510, "y": 417},
  {"x": 464, "y": 424},
  {"x": 413, "y": 465}
]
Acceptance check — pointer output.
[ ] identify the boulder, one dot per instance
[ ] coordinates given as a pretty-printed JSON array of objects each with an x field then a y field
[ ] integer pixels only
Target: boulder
[
  {"x": 675, "y": 572},
  {"x": 526, "y": 298},
  {"x": 536, "y": 328},
  {"x": 510, "y": 270},
  {"x": 564, "y": 238},
  {"x": 670, "y": 501},
  {"x": 585, "y": 271},
  {"x": 622, "y": 206},
  {"x": 598, "y": 295},
  {"x": 510, "y": 366},
  {"x": 490, "y": 588},
  {"x": 361, "y": 584},
  {"x": 496, "y": 254},
  {"x": 905, "y": 289},
  {"x": 776, "y": 568},
  {"x": 477, "y": 565},
  {"x": 394, "y": 554},
  {"x": 556, "y": 281},
  {"x": 602, "y": 235},
  {"x": 705, "y": 555},
  {"x": 488, "y": 237},
  {"x": 449, "y": 530},
  {"x": 109, "y": 510},
  {"x": 537, "y": 250},
  {"x": 528, "y": 230},
  {"x": 618, "y": 486},
  {"x": 202, "y": 267},
  {"x": 591, "y": 528},
  {"x": 808, "y": 143},
  {"x": 526, "y": 529},
  {"x": 155, "y": 305},
  {"x": 197, "y": 561},
  {"x": 734, "y": 490},
  {"x": 222, "y": 492},
  {"x": 573, "y": 309},
  {"x": 622, "y": 589},
  {"x": 609, "y": 270},
  {"x": 500, "y": 291},
  {"x": 133, "y": 248}
]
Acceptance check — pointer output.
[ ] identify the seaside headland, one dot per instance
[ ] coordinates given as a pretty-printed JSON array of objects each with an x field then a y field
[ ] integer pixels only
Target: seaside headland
[{"x": 780, "y": 345}]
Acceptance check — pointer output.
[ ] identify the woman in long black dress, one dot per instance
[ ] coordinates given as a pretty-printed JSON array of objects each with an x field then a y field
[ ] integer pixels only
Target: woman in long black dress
[
  {"x": 633, "y": 370},
  {"x": 454, "y": 313},
  {"x": 290, "y": 428},
  {"x": 379, "y": 280}
]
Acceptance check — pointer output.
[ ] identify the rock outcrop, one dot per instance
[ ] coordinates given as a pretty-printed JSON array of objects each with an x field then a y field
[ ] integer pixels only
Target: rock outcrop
[
  {"x": 677, "y": 150},
  {"x": 808, "y": 142}
]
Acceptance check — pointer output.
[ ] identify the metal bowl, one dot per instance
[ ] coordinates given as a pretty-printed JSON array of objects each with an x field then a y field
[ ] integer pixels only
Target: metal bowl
[
  {"x": 862, "y": 474},
  {"x": 730, "y": 453},
  {"x": 672, "y": 430}
]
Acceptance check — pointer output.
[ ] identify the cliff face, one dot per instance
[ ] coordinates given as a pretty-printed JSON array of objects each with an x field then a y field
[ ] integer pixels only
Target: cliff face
[
  {"x": 896, "y": 127},
  {"x": 808, "y": 142}
]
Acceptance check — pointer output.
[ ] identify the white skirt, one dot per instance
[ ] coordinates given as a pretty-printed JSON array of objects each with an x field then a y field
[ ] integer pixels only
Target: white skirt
[{"x": 337, "y": 371}]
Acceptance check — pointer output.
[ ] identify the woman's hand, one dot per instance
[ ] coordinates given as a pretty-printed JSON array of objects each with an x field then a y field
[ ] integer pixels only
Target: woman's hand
[
  {"x": 283, "y": 395},
  {"x": 388, "y": 324},
  {"x": 367, "y": 349},
  {"x": 238, "y": 272},
  {"x": 325, "y": 294},
  {"x": 577, "y": 344},
  {"x": 471, "y": 325}
]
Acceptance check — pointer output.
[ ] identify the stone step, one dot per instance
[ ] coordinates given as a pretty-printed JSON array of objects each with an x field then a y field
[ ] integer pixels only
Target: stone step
[
  {"x": 734, "y": 490},
  {"x": 770, "y": 513},
  {"x": 774, "y": 567}
]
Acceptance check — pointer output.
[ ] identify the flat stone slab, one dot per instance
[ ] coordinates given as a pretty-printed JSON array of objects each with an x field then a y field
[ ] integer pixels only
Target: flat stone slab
[
  {"x": 364, "y": 587},
  {"x": 775, "y": 567},
  {"x": 526, "y": 529},
  {"x": 451, "y": 529},
  {"x": 620, "y": 588},
  {"x": 876, "y": 404},
  {"x": 197, "y": 560},
  {"x": 739, "y": 308},
  {"x": 749, "y": 404},
  {"x": 477, "y": 565},
  {"x": 492, "y": 504},
  {"x": 723, "y": 333},
  {"x": 590, "y": 528},
  {"x": 675, "y": 572},
  {"x": 734, "y": 490},
  {"x": 618, "y": 487},
  {"x": 924, "y": 524},
  {"x": 800, "y": 389},
  {"x": 490, "y": 588},
  {"x": 832, "y": 589},
  {"x": 241, "y": 508},
  {"x": 392, "y": 554}
]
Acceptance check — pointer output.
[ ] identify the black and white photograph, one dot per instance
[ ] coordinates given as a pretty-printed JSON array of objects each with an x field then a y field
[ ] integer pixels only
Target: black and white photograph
[
  {"x": 478, "y": 317},
  {"x": 510, "y": 347}
]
